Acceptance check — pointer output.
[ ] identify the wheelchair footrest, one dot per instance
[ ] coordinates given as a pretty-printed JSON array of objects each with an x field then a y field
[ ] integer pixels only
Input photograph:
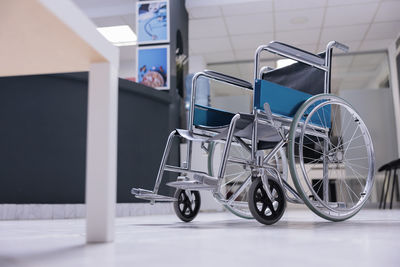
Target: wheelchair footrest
[
  {"x": 205, "y": 179},
  {"x": 149, "y": 195},
  {"x": 190, "y": 185},
  {"x": 200, "y": 182}
]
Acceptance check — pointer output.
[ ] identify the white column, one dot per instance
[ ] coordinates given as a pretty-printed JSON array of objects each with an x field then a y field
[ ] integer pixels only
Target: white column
[{"x": 101, "y": 152}]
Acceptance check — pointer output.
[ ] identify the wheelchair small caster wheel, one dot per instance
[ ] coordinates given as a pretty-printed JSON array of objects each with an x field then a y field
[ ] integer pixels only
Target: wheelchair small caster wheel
[
  {"x": 186, "y": 207},
  {"x": 261, "y": 207}
]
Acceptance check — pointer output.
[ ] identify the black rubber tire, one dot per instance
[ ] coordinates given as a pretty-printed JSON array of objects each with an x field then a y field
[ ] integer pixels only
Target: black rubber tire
[
  {"x": 185, "y": 210},
  {"x": 257, "y": 194}
]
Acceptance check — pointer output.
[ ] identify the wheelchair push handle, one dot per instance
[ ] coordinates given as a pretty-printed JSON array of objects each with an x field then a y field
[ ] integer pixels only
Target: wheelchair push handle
[{"x": 338, "y": 45}]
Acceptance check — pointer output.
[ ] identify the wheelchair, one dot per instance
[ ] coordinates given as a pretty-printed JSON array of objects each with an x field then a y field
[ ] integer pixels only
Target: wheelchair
[{"x": 300, "y": 144}]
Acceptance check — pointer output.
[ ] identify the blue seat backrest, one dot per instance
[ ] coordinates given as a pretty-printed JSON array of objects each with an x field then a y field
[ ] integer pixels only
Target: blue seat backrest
[{"x": 285, "y": 101}]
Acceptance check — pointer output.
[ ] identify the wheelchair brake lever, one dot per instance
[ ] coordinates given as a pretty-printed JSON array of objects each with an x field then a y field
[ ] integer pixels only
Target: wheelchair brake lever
[
  {"x": 268, "y": 111},
  {"x": 276, "y": 124}
]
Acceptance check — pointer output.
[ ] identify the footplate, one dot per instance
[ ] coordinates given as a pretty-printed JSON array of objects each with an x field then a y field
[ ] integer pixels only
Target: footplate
[
  {"x": 149, "y": 195},
  {"x": 200, "y": 182}
]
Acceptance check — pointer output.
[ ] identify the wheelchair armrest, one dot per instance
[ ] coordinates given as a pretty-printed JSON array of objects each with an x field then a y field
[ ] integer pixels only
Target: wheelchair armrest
[
  {"x": 229, "y": 79},
  {"x": 295, "y": 53},
  {"x": 215, "y": 76}
]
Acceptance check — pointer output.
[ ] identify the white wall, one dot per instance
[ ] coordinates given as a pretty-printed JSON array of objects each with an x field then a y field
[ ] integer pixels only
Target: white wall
[
  {"x": 376, "y": 109},
  {"x": 127, "y": 69}
]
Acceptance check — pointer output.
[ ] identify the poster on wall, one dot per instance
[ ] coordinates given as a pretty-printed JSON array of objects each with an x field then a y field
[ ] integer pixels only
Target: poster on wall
[
  {"x": 152, "y": 22},
  {"x": 153, "y": 66}
]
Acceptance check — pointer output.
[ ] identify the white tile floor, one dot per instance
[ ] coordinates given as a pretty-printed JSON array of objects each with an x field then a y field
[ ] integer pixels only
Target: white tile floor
[{"x": 372, "y": 238}]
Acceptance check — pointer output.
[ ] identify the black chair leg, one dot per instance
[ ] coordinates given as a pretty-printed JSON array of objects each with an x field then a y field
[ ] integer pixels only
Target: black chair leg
[
  {"x": 397, "y": 188},
  {"x": 387, "y": 189},
  {"x": 383, "y": 190},
  {"x": 394, "y": 185}
]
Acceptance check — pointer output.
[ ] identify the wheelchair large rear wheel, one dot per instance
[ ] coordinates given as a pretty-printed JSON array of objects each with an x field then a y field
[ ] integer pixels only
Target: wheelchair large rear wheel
[
  {"x": 236, "y": 174},
  {"x": 331, "y": 157}
]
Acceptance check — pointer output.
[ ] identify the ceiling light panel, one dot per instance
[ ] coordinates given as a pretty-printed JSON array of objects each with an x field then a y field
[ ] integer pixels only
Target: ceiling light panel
[{"x": 119, "y": 35}]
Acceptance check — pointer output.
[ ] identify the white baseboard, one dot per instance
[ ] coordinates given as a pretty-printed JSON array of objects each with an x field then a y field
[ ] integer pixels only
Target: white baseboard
[{"x": 72, "y": 211}]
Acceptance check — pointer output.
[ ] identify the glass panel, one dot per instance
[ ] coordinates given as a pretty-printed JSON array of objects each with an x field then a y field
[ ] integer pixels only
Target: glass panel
[{"x": 360, "y": 71}]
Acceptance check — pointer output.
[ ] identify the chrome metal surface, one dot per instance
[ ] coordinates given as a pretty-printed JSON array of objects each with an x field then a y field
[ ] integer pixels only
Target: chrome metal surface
[
  {"x": 227, "y": 146},
  {"x": 191, "y": 185},
  {"x": 328, "y": 62},
  {"x": 273, "y": 152},
  {"x": 180, "y": 170},
  {"x": 205, "y": 179},
  {"x": 254, "y": 137},
  {"x": 243, "y": 187},
  {"x": 149, "y": 195},
  {"x": 163, "y": 161}
]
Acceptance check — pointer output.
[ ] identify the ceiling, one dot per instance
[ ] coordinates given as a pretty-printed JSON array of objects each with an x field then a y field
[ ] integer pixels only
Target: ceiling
[
  {"x": 230, "y": 30},
  {"x": 225, "y": 33},
  {"x": 222, "y": 31}
]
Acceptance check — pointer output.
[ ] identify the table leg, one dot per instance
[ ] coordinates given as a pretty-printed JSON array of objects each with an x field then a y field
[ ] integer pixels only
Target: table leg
[{"x": 101, "y": 152}]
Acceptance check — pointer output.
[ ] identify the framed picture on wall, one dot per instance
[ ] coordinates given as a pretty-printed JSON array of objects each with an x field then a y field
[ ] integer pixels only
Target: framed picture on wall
[
  {"x": 152, "y": 22},
  {"x": 153, "y": 66}
]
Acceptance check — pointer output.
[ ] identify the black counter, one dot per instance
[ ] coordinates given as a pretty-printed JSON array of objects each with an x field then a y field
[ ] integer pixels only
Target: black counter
[{"x": 43, "y": 137}]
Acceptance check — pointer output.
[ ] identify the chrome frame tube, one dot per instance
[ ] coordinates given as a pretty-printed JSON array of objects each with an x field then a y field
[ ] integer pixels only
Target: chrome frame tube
[
  {"x": 163, "y": 161},
  {"x": 182, "y": 170},
  {"x": 243, "y": 144},
  {"x": 254, "y": 136},
  {"x": 325, "y": 171},
  {"x": 326, "y": 68},
  {"x": 275, "y": 150},
  {"x": 192, "y": 104},
  {"x": 261, "y": 48},
  {"x": 297, "y": 198},
  {"x": 227, "y": 146},
  {"x": 240, "y": 190},
  {"x": 328, "y": 62}
]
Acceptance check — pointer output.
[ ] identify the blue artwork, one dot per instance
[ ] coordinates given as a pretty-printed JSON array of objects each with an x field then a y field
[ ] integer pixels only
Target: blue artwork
[
  {"x": 153, "y": 66},
  {"x": 152, "y": 22}
]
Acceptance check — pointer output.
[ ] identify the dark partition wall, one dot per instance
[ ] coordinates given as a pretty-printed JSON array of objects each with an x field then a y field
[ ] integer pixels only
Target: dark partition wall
[{"x": 43, "y": 137}]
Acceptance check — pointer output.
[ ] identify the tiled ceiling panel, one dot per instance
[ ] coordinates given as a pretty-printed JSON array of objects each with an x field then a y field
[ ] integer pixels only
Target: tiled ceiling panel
[
  {"x": 299, "y": 19},
  {"x": 308, "y": 24},
  {"x": 247, "y": 8},
  {"x": 250, "y": 41},
  {"x": 230, "y": 30},
  {"x": 388, "y": 11},
  {"x": 384, "y": 30},
  {"x": 254, "y": 23},
  {"x": 204, "y": 12},
  {"x": 210, "y": 45},
  {"x": 344, "y": 33},
  {"x": 223, "y": 56},
  {"x": 350, "y": 2},
  {"x": 206, "y": 28},
  {"x": 296, "y": 5},
  {"x": 375, "y": 44},
  {"x": 309, "y": 36},
  {"x": 350, "y": 14}
]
